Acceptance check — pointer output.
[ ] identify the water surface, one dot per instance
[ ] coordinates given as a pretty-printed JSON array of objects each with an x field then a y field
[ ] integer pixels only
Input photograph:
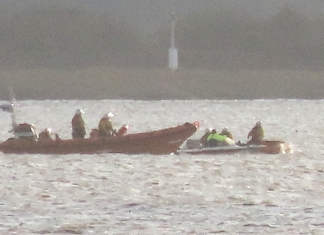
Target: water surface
[{"x": 147, "y": 194}]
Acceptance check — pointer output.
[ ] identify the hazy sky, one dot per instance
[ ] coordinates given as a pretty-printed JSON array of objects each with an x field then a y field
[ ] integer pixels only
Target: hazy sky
[{"x": 153, "y": 14}]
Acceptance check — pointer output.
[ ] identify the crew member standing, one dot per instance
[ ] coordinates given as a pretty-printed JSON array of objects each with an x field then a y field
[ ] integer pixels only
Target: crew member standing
[{"x": 78, "y": 126}]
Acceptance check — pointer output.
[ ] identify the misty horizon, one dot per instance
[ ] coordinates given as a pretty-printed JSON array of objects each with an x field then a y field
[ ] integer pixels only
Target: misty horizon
[
  {"x": 68, "y": 34},
  {"x": 111, "y": 42}
]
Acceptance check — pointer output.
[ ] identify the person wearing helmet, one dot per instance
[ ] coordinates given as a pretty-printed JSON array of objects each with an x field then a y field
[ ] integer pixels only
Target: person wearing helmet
[
  {"x": 256, "y": 134},
  {"x": 45, "y": 135},
  {"x": 203, "y": 139},
  {"x": 105, "y": 126},
  {"x": 226, "y": 133},
  {"x": 78, "y": 126}
]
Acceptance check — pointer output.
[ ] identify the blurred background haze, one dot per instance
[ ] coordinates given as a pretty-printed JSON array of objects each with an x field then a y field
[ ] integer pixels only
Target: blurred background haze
[{"x": 253, "y": 35}]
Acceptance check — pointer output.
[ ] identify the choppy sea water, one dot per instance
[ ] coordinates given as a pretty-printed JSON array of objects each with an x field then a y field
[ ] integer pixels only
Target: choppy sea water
[{"x": 147, "y": 194}]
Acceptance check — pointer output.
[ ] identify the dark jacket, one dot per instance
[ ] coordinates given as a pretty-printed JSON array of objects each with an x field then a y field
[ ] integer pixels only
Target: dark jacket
[{"x": 78, "y": 127}]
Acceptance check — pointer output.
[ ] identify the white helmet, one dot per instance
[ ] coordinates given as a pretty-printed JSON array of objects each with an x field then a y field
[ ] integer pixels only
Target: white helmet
[
  {"x": 258, "y": 123},
  {"x": 78, "y": 112},
  {"x": 225, "y": 129},
  {"x": 108, "y": 115},
  {"x": 208, "y": 130}
]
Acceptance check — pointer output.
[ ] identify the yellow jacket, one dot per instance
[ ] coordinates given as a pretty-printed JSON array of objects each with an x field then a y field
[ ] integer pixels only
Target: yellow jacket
[{"x": 105, "y": 125}]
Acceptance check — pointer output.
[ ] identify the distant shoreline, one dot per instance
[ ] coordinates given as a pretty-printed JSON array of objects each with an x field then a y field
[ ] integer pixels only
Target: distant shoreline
[{"x": 97, "y": 83}]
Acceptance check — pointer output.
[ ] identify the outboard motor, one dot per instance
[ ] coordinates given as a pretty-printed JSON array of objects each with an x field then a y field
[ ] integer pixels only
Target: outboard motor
[{"x": 25, "y": 131}]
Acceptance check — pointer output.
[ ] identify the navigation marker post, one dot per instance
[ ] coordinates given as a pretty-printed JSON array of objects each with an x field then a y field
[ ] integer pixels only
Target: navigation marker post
[{"x": 173, "y": 52}]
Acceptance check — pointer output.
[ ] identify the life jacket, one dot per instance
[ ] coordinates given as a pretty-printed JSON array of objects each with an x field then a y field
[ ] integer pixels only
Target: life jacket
[
  {"x": 257, "y": 133},
  {"x": 105, "y": 125},
  {"x": 216, "y": 136}
]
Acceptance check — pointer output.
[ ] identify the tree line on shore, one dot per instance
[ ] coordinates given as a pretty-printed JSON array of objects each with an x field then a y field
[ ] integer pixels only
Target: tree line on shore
[{"x": 63, "y": 37}]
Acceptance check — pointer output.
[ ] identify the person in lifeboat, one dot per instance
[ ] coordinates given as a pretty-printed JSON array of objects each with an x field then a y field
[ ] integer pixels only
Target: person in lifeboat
[
  {"x": 256, "y": 134},
  {"x": 203, "y": 139},
  {"x": 78, "y": 125},
  {"x": 215, "y": 139},
  {"x": 123, "y": 130},
  {"x": 105, "y": 126},
  {"x": 45, "y": 135},
  {"x": 227, "y": 133}
]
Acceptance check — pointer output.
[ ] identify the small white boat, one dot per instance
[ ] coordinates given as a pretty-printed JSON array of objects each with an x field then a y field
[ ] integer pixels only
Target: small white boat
[{"x": 193, "y": 147}]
